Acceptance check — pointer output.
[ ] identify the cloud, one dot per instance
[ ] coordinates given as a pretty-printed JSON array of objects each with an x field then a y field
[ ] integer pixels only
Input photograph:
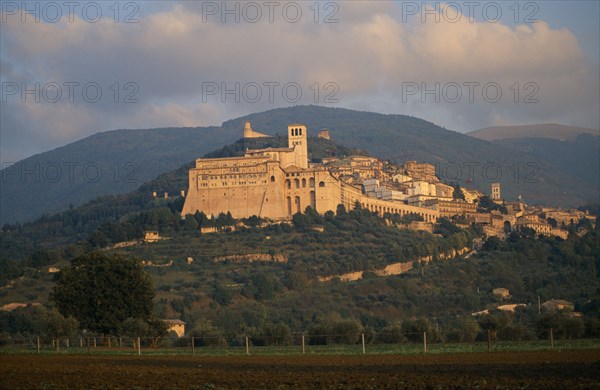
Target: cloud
[{"x": 368, "y": 57}]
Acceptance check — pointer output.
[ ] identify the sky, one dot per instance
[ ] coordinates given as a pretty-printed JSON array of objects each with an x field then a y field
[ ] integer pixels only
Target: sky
[{"x": 72, "y": 69}]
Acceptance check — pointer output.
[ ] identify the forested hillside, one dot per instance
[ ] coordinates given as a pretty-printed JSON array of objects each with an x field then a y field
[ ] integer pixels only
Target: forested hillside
[{"x": 198, "y": 279}]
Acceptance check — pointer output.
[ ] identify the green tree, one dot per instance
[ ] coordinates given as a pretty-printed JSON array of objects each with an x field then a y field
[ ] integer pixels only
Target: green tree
[
  {"x": 299, "y": 221},
  {"x": 56, "y": 325},
  {"x": 221, "y": 294},
  {"x": 494, "y": 322},
  {"x": 190, "y": 223},
  {"x": 486, "y": 204},
  {"x": 201, "y": 218},
  {"x": 206, "y": 334},
  {"x": 137, "y": 327},
  {"x": 458, "y": 193},
  {"x": 276, "y": 334},
  {"x": 413, "y": 329},
  {"x": 101, "y": 291}
]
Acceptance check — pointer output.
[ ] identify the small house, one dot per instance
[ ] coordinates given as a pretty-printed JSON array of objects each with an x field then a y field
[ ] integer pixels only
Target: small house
[
  {"x": 151, "y": 236},
  {"x": 557, "y": 304},
  {"x": 501, "y": 293},
  {"x": 176, "y": 326}
]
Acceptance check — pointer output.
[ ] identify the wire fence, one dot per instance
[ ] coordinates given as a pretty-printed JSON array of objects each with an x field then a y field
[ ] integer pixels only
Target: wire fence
[{"x": 295, "y": 344}]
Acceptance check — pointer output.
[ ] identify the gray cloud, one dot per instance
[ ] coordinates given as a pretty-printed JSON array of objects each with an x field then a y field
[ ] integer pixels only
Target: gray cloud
[{"x": 370, "y": 56}]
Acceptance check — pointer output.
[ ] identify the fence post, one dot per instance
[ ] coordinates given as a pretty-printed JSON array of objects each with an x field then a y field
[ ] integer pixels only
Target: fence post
[
  {"x": 67, "y": 342},
  {"x": 88, "y": 345},
  {"x": 551, "y": 338},
  {"x": 57, "y": 344},
  {"x": 489, "y": 337},
  {"x": 247, "y": 346},
  {"x": 193, "y": 345},
  {"x": 38, "y": 344},
  {"x": 425, "y": 342},
  {"x": 138, "y": 346},
  {"x": 80, "y": 342},
  {"x": 303, "y": 350},
  {"x": 363, "y": 343},
  {"x": 108, "y": 341},
  {"x": 94, "y": 341}
]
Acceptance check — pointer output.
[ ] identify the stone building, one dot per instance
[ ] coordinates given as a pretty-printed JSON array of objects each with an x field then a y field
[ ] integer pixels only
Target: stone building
[
  {"x": 276, "y": 183},
  {"x": 324, "y": 134},
  {"x": 249, "y": 133},
  {"x": 176, "y": 326},
  {"x": 420, "y": 171},
  {"x": 496, "y": 194},
  {"x": 557, "y": 304},
  {"x": 151, "y": 236}
]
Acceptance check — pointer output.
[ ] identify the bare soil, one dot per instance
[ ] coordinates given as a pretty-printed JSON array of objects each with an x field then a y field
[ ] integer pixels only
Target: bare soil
[{"x": 543, "y": 370}]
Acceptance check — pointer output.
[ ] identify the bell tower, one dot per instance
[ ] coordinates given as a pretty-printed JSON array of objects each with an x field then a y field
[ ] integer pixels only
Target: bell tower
[
  {"x": 297, "y": 141},
  {"x": 496, "y": 192}
]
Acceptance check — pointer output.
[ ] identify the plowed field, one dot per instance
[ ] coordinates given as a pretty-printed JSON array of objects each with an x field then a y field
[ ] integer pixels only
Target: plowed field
[{"x": 544, "y": 370}]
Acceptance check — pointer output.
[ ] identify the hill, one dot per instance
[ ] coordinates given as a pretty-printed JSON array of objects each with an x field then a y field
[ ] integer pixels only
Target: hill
[
  {"x": 579, "y": 157},
  {"x": 542, "y": 130},
  {"x": 259, "y": 276},
  {"x": 215, "y": 284},
  {"x": 107, "y": 163},
  {"x": 573, "y": 151},
  {"x": 119, "y": 161}
]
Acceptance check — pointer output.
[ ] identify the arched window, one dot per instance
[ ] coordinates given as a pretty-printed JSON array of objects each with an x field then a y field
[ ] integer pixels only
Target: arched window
[
  {"x": 297, "y": 183},
  {"x": 321, "y": 184},
  {"x": 311, "y": 182},
  {"x": 288, "y": 184},
  {"x": 272, "y": 179},
  {"x": 303, "y": 183}
]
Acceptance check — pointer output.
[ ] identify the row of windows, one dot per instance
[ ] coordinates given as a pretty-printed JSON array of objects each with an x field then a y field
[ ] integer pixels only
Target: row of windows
[
  {"x": 220, "y": 177},
  {"x": 225, "y": 184},
  {"x": 296, "y": 131},
  {"x": 311, "y": 183}
]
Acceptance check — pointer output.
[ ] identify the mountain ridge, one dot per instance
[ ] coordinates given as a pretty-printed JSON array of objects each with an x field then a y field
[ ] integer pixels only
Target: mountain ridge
[{"x": 540, "y": 130}]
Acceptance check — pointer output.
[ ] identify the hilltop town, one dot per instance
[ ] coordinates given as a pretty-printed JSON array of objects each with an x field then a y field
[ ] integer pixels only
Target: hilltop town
[{"x": 275, "y": 183}]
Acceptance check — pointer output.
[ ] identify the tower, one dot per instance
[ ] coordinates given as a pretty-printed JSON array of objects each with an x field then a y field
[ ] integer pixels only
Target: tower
[
  {"x": 297, "y": 141},
  {"x": 247, "y": 130},
  {"x": 496, "y": 191},
  {"x": 249, "y": 133}
]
